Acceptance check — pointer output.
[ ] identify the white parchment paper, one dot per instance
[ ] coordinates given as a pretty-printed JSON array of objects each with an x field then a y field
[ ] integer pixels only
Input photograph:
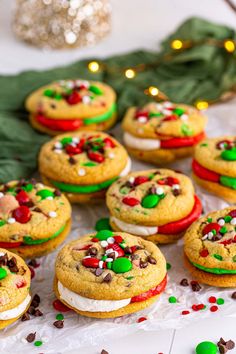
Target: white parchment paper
[{"x": 79, "y": 331}]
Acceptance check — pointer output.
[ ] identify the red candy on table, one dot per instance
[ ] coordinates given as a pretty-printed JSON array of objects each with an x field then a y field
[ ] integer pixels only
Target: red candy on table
[
  {"x": 22, "y": 197},
  {"x": 141, "y": 319},
  {"x": 59, "y": 306},
  {"x": 130, "y": 201},
  {"x": 22, "y": 214}
]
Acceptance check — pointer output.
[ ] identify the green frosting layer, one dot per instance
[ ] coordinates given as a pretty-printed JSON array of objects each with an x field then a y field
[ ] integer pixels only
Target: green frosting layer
[
  {"x": 214, "y": 270},
  {"x": 29, "y": 241},
  {"x": 102, "y": 117},
  {"x": 73, "y": 188},
  {"x": 228, "y": 181}
]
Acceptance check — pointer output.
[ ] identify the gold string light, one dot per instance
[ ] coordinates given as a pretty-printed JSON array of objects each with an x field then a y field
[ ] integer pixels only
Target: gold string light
[{"x": 176, "y": 46}]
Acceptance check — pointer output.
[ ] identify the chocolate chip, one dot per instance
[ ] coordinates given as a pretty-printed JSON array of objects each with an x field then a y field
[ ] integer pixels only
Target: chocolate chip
[
  {"x": 234, "y": 295},
  {"x": 37, "y": 210},
  {"x": 184, "y": 282},
  {"x": 38, "y": 313},
  {"x": 143, "y": 264},
  {"x": 33, "y": 263},
  {"x": 92, "y": 251},
  {"x": 176, "y": 192},
  {"x": 222, "y": 348},
  {"x": 71, "y": 160},
  {"x": 25, "y": 317},
  {"x": 230, "y": 344},
  {"x": 57, "y": 192},
  {"x": 104, "y": 352},
  {"x": 221, "y": 341},
  {"x": 195, "y": 286},
  {"x": 22, "y": 270},
  {"x": 35, "y": 301},
  {"x": 128, "y": 250},
  {"x": 107, "y": 278},
  {"x": 12, "y": 264},
  {"x": 3, "y": 259},
  {"x": 31, "y": 337},
  {"x": 29, "y": 204},
  {"x": 98, "y": 272},
  {"x": 31, "y": 310},
  {"x": 58, "y": 324},
  {"x": 77, "y": 267},
  {"x": 53, "y": 106},
  {"x": 153, "y": 190},
  {"x": 134, "y": 256},
  {"x": 151, "y": 260}
]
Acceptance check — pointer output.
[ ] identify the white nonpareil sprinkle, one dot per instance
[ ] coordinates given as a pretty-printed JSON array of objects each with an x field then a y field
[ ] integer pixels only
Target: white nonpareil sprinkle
[
  {"x": 87, "y": 257},
  {"x": 69, "y": 84},
  {"x": 167, "y": 104},
  {"x": 1, "y": 194},
  {"x": 131, "y": 179},
  {"x": 111, "y": 155},
  {"x": 233, "y": 221},
  {"x": 142, "y": 119},
  {"x": 11, "y": 220},
  {"x": 166, "y": 112},
  {"x": 109, "y": 260},
  {"x": 52, "y": 214},
  {"x": 159, "y": 191},
  {"x": 210, "y": 235},
  {"x": 81, "y": 172},
  {"x": 221, "y": 222},
  {"x": 110, "y": 250},
  {"x": 86, "y": 99},
  {"x": 100, "y": 264},
  {"x": 104, "y": 243},
  {"x": 49, "y": 198},
  {"x": 204, "y": 237},
  {"x": 57, "y": 151},
  {"x": 110, "y": 240},
  {"x": 169, "y": 291},
  {"x": 184, "y": 117},
  {"x": 76, "y": 140},
  {"x": 58, "y": 145},
  {"x": 176, "y": 186},
  {"x": 2, "y": 254}
]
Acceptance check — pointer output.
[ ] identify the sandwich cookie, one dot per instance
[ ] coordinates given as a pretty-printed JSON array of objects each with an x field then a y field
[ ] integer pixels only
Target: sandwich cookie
[
  {"x": 210, "y": 248},
  {"x": 14, "y": 288},
  {"x": 162, "y": 132},
  {"x": 158, "y": 205},
  {"x": 214, "y": 166},
  {"x": 71, "y": 105},
  {"x": 109, "y": 274},
  {"x": 34, "y": 219},
  {"x": 83, "y": 164}
]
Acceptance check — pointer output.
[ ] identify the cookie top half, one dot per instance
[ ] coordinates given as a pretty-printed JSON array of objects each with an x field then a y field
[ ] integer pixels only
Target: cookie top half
[
  {"x": 164, "y": 120},
  {"x": 31, "y": 211},
  {"x": 151, "y": 198},
  {"x": 218, "y": 155},
  {"x": 14, "y": 280},
  {"x": 211, "y": 241},
  {"x": 110, "y": 266},
  {"x": 82, "y": 158},
  {"x": 71, "y": 99}
]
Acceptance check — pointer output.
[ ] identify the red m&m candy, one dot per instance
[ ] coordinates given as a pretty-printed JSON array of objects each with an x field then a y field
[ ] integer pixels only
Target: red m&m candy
[
  {"x": 22, "y": 197},
  {"x": 130, "y": 201},
  {"x": 22, "y": 214}
]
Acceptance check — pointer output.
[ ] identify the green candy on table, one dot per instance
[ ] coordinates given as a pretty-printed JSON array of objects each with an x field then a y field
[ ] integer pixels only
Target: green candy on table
[
  {"x": 45, "y": 193},
  {"x": 206, "y": 348},
  {"x": 103, "y": 235},
  {"x": 3, "y": 273},
  {"x": 121, "y": 265},
  {"x": 229, "y": 155}
]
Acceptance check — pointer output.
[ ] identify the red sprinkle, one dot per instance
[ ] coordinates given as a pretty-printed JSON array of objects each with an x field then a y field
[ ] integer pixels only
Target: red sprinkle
[
  {"x": 109, "y": 143},
  {"x": 140, "y": 179},
  {"x": 73, "y": 150},
  {"x": 141, "y": 319},
  {"x": 185, "y": 312},
  {"x": 59, "y": 306},
  {"x": 95, "y": 156},
  {"x": 118, "y": 239},
  {"x": 200, "y": 307},
  {"x": 212, "y": 299},
  {"x": 204, "y": 253},
  {"x": 169, "y": 181},
  {"x": 214, "y": 308},
  {"x": 130, "y": 201},
  {"x": 21, "y": 284}
]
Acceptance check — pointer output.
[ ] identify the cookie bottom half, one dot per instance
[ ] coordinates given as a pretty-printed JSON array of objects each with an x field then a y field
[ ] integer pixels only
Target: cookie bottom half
[
  {"x": 160, "y": 156},
  {"x": 80, "y": 198},
  {"x": 33, "y": 251},
  {"x": 223, "y": 280},
  {"x": 103, "y": 126},
  {"x": 157, "y": 238},
  {"x": 216, "y": 188},
  {"x": 131, "y": 308},
  {"x": 6, "y": 323}
]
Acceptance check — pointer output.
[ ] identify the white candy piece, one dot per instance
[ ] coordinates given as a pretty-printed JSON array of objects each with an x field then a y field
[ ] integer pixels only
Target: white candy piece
[
  {"x": 52, "y": 214},
  {"x": 81, "y": 172},
  {"x": 110, "y": 240},
  {"x": 233, "y": 221},
  {"x": 58, "y": 145},
  {"x": 76, "y": 140},
  {"x": 142, "y": 119},
  {"x": 86, "y": 99},
  {"x": 100, "y": 264},
  {"x": 1, "y": 194},
  {"x": 49, "y": 198},
  {"x": 104, "y": 243},
  {"x": 159, "y": 191},
  {"x": 184, "y": 117},
  {"x": 111, "y": 155},
  {"x": 57, "y": 151},
  {"x": 176, "y": 186},
  {"x": 221, "y": 222},
  {"x": 166, "y": 112},
  {"x": 109, "y": 260},
  {"x": 210, "y": 235},
  {"x": 204, "y": 237},
  {"x": 11, "y": 221},
  {"x": 167, "y": 104},
  {"x": 131, "y": 179}
]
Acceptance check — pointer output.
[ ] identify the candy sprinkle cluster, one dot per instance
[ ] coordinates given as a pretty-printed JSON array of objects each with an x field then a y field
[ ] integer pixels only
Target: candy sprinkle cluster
[
  {"x": 74, "y": 92},
  {"x": 10, "y": 263},
  {"x": 228, "y": 149}
]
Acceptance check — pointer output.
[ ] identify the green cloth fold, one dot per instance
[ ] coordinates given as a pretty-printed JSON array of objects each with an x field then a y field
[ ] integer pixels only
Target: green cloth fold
[{"x": 202, "y": 72}]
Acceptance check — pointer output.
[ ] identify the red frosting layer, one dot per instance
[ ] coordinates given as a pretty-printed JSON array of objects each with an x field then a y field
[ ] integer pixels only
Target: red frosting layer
[
  {"x": 10, "y": 244},
  {"x": 179, "y": 226},
  {"x": 182, "y": 142},
  {"x": 60, "y": 125},
  {"x": 152, "y": 292},
  {"x": 204, "y": 173}
]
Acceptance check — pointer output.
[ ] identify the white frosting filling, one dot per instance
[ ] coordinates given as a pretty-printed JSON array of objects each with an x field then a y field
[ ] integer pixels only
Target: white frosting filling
[
  {"x": 127, "y": 168},
  {"x": 16, "y": 311},
  {"x": 140, "y": 143},
  {"x": 85, "y": 304},
  {"x": 135, "y": 229}
]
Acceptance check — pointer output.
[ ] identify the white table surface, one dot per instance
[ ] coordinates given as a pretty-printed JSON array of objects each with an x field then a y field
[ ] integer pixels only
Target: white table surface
[{"x": 136, "y": 24}]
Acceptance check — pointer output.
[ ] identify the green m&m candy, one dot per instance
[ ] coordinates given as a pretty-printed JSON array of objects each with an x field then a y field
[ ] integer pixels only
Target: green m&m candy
[
  {"x": 95, "y": 89},
  {"x": 121, "y": 265},
  {"x": 179, "y": 111},
  {"x": 45, "y": 193},
  {"x": 66, "y": 140},
  {"x": 103, "y": 235},
  {"x": 229, "y": 155},
  {"x": 3, "y": 273},
  {"x": 206, "y": 348},
  {"x": 150, "y": 201}
]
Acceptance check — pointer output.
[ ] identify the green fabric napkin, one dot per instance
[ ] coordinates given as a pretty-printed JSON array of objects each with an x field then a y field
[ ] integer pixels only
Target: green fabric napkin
[{"x": 202, "y": 72}]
